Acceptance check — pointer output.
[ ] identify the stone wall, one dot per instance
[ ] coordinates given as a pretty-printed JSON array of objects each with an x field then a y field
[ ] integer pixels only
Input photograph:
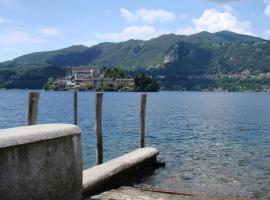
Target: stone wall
[{"x": 41, "y": 162}]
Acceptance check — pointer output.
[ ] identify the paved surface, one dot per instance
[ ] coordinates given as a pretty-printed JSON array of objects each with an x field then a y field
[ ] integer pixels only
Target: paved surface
[{"x": 129, "y": 193}]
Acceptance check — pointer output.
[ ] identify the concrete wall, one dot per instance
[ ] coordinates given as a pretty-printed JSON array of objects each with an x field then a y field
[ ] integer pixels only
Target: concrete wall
[
  {"x": 41, "y": 162},
  {"x": 121, "y": 170}
]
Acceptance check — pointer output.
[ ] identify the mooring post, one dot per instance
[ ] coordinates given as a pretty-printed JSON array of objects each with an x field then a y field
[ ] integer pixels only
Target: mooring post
[
  {"x": 75, "y": 108},
  {"x": 98, "y": 128},
  {"x": 142, "y": 119},
  {"x": 33, "y": 99}
]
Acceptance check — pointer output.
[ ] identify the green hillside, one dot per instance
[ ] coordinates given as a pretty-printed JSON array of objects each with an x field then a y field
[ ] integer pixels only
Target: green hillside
[{"x": 203, "y": 53}]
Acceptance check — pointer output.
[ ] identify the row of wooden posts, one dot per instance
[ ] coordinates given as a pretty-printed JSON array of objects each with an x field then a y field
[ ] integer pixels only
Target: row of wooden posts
[{"x": 33, "y": 101}]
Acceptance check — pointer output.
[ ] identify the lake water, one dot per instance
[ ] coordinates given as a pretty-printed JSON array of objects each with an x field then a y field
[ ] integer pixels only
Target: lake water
[{"x": 214, "y": 143}]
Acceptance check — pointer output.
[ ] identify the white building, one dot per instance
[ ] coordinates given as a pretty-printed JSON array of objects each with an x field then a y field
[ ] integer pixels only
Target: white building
[{"x": 83, "y": 73}]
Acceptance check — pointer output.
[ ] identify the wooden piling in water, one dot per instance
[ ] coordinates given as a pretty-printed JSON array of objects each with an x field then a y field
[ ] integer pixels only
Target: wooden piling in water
[
  {"x": 142, "y": 119},
  {"x": 98, "y": 128},
  {"x": 75, "y": 108},
  {"x": 33, "y": 100}
]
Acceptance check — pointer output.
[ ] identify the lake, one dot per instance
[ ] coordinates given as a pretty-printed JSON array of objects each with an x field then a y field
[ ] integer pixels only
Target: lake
[{"x": 214, "y": 143}]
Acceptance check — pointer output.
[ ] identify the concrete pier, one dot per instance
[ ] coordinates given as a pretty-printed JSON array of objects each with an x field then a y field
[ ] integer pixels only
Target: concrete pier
[
  {"x": 45, "y": 162},
  {"x": 41, "y": 162},
  {"x": 118, "y": 170}
]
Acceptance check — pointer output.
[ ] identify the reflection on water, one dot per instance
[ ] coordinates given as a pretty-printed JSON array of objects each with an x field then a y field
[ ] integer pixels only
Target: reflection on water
[{"x": 215, "y": 143}]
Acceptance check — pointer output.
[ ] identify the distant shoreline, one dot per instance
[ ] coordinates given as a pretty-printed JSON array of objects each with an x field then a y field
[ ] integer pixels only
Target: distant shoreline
[{"x": 210, "y": 91}]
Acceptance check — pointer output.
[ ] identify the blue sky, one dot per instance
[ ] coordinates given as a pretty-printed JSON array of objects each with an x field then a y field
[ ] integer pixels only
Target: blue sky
[{"x": 28, "y": 26}]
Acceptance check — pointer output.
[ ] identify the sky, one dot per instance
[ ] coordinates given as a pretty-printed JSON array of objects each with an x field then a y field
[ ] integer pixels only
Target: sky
[{"x": 28, "y": 26}]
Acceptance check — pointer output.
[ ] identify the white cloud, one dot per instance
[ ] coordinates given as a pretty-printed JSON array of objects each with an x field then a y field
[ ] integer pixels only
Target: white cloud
[
  {"x": 13, "y": 38},
  {"x": 149, "y": 16},
  {"x": 267, "y": 9},
  {"x": 213, "y": 21},
  {"x": 52, "y": 32},
  {"x": 132, "y": 32}
]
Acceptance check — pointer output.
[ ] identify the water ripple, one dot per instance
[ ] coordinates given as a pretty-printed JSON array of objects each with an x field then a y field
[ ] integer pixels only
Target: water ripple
[{"x": 216, "y": 143}]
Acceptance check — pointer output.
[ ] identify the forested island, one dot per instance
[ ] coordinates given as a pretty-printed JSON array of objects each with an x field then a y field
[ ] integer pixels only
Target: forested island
[{"x": 106, "y": 79}]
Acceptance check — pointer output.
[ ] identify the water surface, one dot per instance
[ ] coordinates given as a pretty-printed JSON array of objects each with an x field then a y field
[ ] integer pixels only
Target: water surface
[{"x": 214, "y": 143}]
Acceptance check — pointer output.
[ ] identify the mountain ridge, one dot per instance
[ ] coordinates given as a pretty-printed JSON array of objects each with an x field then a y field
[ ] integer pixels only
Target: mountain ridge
[
  {"x": 222, "y": 36},
  {"x": 223, "y": 52}
]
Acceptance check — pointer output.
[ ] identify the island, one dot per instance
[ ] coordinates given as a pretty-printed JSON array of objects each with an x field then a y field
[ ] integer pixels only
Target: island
[{"x": 106, "y": 79}]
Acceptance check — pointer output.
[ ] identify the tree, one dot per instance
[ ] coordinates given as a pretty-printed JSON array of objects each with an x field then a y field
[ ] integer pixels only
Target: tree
[
  {"x": 144, "y": 83},
  {"x": 113, "y": 73},
  {"x": 49, "y": 84}
]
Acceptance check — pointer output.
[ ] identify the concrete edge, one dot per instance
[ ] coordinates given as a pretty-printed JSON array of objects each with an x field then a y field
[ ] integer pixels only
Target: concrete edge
[
  {"x": 102, "y": 174},
  {"x": 29, "y": 134}
]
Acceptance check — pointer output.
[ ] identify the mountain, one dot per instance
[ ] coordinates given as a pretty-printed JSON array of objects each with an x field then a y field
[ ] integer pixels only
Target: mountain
[
  {"x": 203, "y": 53},
  {"x": 42, "y": 59}
]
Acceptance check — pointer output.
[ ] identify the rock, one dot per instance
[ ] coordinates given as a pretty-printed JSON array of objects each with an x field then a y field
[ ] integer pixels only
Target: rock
[{"x": 172, "y": 55}]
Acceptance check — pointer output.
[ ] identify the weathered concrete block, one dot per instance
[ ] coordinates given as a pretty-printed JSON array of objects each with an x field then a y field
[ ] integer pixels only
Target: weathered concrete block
[
  {"x": 110, "y": 174},
  {"x": 41, "y": 162}
]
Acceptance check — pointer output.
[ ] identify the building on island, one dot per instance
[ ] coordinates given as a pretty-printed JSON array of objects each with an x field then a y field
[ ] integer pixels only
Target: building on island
[
  {"x": 83, "y": 73},
  {"x": 121, "y": 83},
  {"x": 86, "y": 77},
  {"x": 60, "y": 83},
  {"x": 94, "y": 82},
  {"x": 108, "y": 81}
]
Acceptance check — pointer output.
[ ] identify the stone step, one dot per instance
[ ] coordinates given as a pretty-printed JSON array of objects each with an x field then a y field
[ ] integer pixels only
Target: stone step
[{"x": 110, "y": 174}]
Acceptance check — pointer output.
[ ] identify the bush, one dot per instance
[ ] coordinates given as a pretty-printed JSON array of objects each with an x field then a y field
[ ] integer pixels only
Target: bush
[{"x": 144, "y": 83}]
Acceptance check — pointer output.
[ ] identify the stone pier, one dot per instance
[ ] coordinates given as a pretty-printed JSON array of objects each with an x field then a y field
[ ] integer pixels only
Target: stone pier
[{"x": 44, "y": 162}]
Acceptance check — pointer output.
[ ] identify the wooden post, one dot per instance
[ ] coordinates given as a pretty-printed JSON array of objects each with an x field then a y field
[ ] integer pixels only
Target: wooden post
[
  {"x": 142, "y": 120},
  {"x": 75, "y": 108},
  {"x": 98, "y": 128},
  {"x": 33, "y": 100}
]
